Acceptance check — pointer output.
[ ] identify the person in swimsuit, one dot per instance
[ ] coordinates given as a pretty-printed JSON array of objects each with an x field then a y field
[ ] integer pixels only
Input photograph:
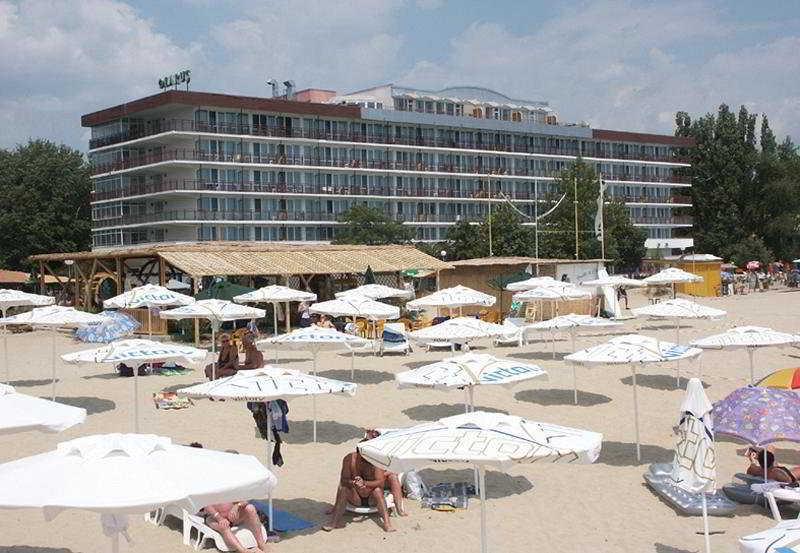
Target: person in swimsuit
[
  {"x": 253, "y": 359},
  {"x": 227, "y": 359},
  {"x": 775, "y": 472},
  {"x": 222, "y": 516},
  {"x": 361, "y": 484}
]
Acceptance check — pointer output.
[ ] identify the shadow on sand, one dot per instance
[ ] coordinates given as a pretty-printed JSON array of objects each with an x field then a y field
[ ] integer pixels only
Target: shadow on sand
[
  {"x": 557, "y": 396},
  {"x": 431, "y": 412},
  {"x": 93, "y": 405},
  {"x": 328, "y": 432},
  {"x": 360, "y": 376},
  {"x": 498, "y": 484},
  {"x": 662, "y": 382},
  {"x": 623, "y": 454}
]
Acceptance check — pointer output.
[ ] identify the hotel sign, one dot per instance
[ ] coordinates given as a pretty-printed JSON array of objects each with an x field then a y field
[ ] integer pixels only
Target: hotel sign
[{"x": 181, "y": 77}]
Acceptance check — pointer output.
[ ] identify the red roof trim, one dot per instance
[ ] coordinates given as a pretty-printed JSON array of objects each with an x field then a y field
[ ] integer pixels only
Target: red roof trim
[
  {"x": 218, "y": 100},
  {"x": 624, "y": 136}
]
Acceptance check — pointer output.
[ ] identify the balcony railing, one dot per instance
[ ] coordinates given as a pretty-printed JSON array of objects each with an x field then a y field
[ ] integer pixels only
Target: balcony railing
[
  {"x": 244, "y": 216},
  {"x": 379, "y": 165},
  {"x": 672, "y": 199},
  {"x": 673, "y": 220},
  {"x": 187, "y": 125}
]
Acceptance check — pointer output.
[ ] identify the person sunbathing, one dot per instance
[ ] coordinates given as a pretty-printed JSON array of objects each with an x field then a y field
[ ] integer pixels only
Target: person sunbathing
[
  {"x": 253, "y": 359},
  {"x": 360, "y": 484},
  {"x": 775, "y": 472},
  {"x": 227, "y": 360},
  {"x": 222, "y": 516}
]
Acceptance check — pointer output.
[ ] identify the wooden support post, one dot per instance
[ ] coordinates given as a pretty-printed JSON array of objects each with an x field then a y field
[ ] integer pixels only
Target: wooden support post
[
  {"x": 162, "y": 271},
  {"x": 41, "y": 278},
  {"x": 119, "y": 276}
]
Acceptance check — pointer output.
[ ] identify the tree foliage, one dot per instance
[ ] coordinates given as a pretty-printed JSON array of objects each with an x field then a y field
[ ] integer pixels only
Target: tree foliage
[
  {"x": 370, "y": 226},
  {"x": 745, "y": 186},
  {"x": 44, "y": 193}
]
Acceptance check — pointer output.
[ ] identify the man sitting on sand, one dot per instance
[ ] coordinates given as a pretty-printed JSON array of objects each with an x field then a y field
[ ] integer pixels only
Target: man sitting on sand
[
  {"x": 227, "y": 360},
  {"x": 253, "y": 359},
  {"x": 360, "y": 484}
]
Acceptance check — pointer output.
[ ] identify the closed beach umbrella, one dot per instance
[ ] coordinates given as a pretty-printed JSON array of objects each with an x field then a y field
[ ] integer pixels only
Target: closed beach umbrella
[
  {"x": 21, "y": 413},
  {"x": 677, "y": 309},
  {"x": 375, "y": 292},
  {"x": 483, "y": 440},
  {"x": 785, "y": 379},
  {"x": 694, "y": 467},
  {"x": 115, "y": 327},
  {"x": 467, "y": 371},
  {"x": 268, "y": 384},
  {"x": 457, "y": 296},
  {"x": 54, "y": 317},
  {"x": 275, "y": 295},
  {"x": 135, "y": 352},
  {"x": 116, "y": 475},
  {"x": 749, "y": 338},
  {"x": 313, "y": 339},
  {"x": 15, "y": 298},
  {"x": 632, "y": 350}
]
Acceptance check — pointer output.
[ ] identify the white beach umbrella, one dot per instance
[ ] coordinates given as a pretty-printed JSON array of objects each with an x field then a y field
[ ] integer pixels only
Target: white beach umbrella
[
  {"x": 482, "y": 440},
  {"x": 54, "y": 317},
  {"x": 116, "y": 475},
  {"x": 572, "y": 322},
  {"x": 677, "y": 309},
  {"x": 216, "y": 312},
  {"x": 15, "y": 298},
  {"x": 459, "y": 330},
  {"x": 467, "y": 371},
  {"x": 354, "y": 305},
  {"x": 276, "y": 294},
  {"x": 695, "y": 463},
  {"x": 632, "y": 350},
  {"x": 313, "y": 339},
  {"x": 375, "y": 292},
  {"x": 531, "y": 283},
  {"x": 672, "y": 276},
  {"x": 268, "y": 384},
  {"x": 556, "y": 293},
  {"x": 615, "y": 281},
  {"x": 457, "y": 296},
  {"x": 21, "y": 412},
  {"x": 748, "y": 337},
  {"x": 135, "y": 352},
  {"x": 149, "y": 296}
]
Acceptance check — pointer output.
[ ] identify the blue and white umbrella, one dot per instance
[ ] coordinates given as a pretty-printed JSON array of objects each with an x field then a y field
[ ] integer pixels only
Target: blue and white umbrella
[
  {"x": 632, "y": 350},
  {"x": 117, "y": 326}
]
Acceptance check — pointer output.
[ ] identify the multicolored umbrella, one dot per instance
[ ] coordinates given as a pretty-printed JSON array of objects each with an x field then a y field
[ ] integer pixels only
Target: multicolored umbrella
[
  {"x": 117, "y": 326},
  {"x": 759, "y": 416},
  {"x": 784, "y": 379}
]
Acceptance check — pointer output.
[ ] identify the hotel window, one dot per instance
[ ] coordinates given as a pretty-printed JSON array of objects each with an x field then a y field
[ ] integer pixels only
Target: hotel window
[
  {"x": 516, "y": 116},
  {"x": 428, "y": 107},
  {"x": 440, "y": 107}
]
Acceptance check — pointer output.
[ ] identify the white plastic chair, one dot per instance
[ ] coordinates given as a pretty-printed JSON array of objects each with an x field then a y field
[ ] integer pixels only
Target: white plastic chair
[{"x": 194, "y": 524}]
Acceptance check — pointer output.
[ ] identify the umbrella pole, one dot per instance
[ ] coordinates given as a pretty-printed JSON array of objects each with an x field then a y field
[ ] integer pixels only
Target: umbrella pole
[
  {"x": 750, "y": 353},
  {"x": 136, "y": 399},
  {"x": 352, "y": 364},
  {"x": 678, "y": 362},
  {"x": 636, "y": 415},
  {"x": 573, "y": 331},
  {"x": 213, "y": 351},
  {"x": 553, "y": 335},
  {"x": 482, "y": 491},
  {"x": 314, "y": 402},
  {"x": 288, "y": 319},
  {"x": 53, "y": 359},
  {"x": 5, "y": 353},
  {"x": 269, "y": 463},
  {"x": 705, "y": 523},
  {"x": 575, "y": 382},
  {"x": 115, "y": 543},
  {"x": 275, "y": 321},
  {"x": 471, "y": 409}
]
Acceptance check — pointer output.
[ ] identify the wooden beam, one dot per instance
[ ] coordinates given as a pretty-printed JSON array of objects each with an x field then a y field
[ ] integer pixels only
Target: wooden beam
[
  {"x": 57, "y": 277},
  {"x": 119, "y": 276},
  {"x": 41, "y": 278},
  {"x": 162, "y": 271}
]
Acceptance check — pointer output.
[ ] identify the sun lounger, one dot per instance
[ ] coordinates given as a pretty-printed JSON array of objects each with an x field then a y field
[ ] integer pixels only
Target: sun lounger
[
  {"x": 515, "y": 332},
  {"x": 195, "y": 525},
  {"x": 366, "y": 511},
  {"x": 394, "y": 339},
  {"x": 784, "y": 536},
  {"x": 660, "y": 481}
]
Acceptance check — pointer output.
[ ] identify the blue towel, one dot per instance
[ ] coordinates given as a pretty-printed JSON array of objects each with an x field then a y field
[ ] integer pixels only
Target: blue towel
[{"x": 283, "y": 521}]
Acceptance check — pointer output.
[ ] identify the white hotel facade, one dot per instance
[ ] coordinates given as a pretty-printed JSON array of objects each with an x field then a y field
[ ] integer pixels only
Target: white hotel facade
[{"x": 194, "y": 166}]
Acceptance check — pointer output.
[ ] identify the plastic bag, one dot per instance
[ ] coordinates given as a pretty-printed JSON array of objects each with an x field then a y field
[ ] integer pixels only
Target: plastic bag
[{"x": 414, "y": 486}]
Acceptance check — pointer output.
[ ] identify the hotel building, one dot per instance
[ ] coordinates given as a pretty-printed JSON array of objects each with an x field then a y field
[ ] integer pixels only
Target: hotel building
[{"x": 194, "y": 166}]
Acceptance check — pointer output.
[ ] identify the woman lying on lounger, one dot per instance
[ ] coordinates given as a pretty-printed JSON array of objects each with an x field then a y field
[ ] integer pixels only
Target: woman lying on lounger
[
  {"x": 775, "y": 472},
  {"x": 222, "y": 516}
]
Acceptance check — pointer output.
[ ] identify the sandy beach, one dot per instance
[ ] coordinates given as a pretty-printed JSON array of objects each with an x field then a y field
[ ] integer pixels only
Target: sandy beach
[{"x": 603, "y": 507}]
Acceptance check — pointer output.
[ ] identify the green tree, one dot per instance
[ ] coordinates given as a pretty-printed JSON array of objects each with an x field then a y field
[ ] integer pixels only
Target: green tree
[
  {"x": 751, "y": 248},
  {"x": 510, "y": 237},
  {"x": 370, "y": 226},
  {"x": 45, "y": 192},
  {"x": 464, "y": 241}
]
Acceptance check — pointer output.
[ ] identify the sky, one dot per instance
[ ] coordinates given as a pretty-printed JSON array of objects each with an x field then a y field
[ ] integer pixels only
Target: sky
[{"x": 618, "y": 64}]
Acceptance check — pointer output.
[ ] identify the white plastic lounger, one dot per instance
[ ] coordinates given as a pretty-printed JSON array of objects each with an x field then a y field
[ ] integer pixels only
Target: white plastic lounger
[
  {"x": 194, "y": 524},
  {"x": 366, "y": 511},
  {"x": 394, "y": 339},
  {"x": 515, "y": 332}
]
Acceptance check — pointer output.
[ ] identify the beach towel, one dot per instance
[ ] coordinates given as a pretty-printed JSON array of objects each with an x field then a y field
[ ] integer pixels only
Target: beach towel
[{"x": 283, "y": 520}]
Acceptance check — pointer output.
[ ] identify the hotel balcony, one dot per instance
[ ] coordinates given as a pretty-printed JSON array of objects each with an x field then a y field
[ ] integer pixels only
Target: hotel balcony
[
  {"x": 478, "y": 170},
  {"x": 669, "y": 221},
  {"x": 164, "y": 126}
]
